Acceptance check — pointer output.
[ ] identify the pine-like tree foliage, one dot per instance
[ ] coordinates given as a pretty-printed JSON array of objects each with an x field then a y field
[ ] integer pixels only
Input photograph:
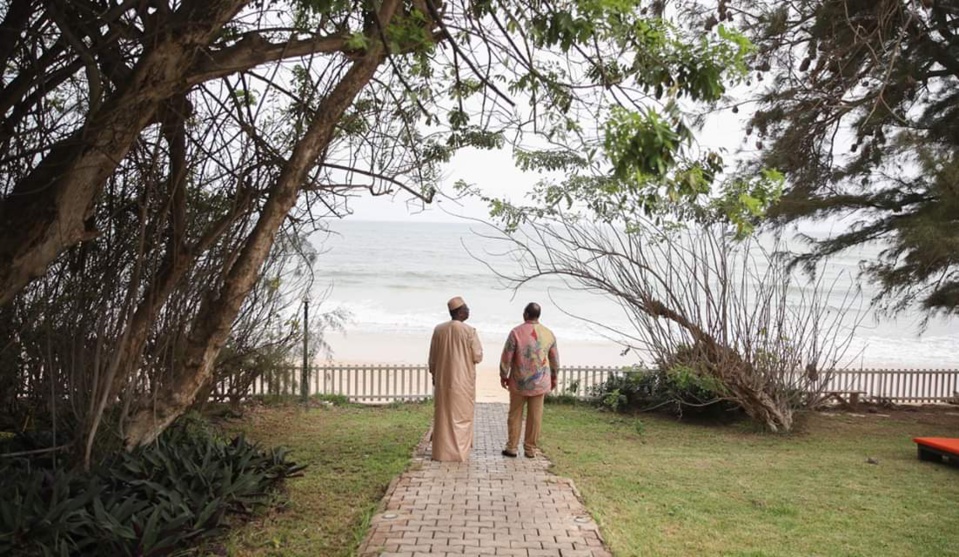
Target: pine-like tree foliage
[{"x": 862, "y": 115}]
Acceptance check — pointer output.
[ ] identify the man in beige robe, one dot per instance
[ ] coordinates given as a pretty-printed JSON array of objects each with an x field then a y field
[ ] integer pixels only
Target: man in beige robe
[{"x": 454, "y": 352}]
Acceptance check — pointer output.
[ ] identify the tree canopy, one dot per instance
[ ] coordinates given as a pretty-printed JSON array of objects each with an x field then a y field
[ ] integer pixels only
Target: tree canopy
[
  {"x": 858, "y": 106},
  {"x": 154, "y": 151}
]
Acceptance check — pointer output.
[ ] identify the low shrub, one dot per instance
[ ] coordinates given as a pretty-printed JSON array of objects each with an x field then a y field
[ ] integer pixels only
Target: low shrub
[
  {"x": 677, "y": 390},
  {"x": 563, "y": 398},
  {"x": 568, "y": 395},
  {"x": 151, "y": 501},
  {"x": 334, "y": 399}
]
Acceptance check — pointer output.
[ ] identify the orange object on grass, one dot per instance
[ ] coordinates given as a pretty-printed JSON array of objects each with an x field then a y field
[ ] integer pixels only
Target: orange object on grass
[
  {"x": 937, "y": 448},
  {"x": 944, "y": 444}
]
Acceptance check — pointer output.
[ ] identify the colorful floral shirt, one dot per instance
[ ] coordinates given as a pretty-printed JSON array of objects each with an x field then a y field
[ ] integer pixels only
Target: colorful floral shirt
[{"x": 529, "y": 359}]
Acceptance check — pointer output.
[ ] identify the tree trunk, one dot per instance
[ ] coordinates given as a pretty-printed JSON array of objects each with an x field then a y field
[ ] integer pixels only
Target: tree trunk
[
  {"x": 10, "y": 364},
  {"x": 737, "y": 375},
  {"x": 757, "y": 403},
  {"x": 179, "y": 259},
  {"x": 47, "y": 211},
  {"x": 216, "y": 314},
  {"x": 18, "y": 13}
]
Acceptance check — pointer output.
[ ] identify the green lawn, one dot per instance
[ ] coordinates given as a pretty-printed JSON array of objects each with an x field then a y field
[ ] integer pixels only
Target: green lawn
[
  {"x": 352, "y": 452},
  {"x": 658, "y": 487}
]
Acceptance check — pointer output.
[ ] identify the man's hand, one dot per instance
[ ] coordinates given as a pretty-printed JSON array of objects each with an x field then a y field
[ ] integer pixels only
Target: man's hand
[
  {"x": 504, "y": 382},
  {"x": 552, "y": 383}
]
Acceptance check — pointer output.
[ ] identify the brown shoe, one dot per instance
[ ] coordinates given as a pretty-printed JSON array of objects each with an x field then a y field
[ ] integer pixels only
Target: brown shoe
[
  {"x": 531, "y": 453},
  {"x": 509, "y": 453}
]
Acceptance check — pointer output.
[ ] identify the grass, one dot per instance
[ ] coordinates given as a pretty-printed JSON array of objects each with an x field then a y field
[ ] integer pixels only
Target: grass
[
  {"x": 659, "y": 487},
  {"x": 353, "y": 452},
  {"x": 655, "y": 486}
]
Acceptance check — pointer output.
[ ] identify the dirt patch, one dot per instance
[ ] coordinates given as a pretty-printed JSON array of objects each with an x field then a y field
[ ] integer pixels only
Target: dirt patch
[{"x": 929, "y": 414}]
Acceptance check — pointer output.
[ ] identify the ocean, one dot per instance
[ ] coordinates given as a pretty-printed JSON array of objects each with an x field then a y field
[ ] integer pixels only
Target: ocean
[{"x": 394, "y": 278}]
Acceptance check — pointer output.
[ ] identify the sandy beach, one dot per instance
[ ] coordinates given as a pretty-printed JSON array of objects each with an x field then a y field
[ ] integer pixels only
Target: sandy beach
[{"x": 355, "y": 347}]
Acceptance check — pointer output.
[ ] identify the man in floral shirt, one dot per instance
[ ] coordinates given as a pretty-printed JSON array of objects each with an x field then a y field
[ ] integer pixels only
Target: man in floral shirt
[{"x": 528, "y": 368}]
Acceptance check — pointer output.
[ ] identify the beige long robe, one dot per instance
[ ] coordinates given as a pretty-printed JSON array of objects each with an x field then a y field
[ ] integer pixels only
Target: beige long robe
[{"x": 454, "y": 352}]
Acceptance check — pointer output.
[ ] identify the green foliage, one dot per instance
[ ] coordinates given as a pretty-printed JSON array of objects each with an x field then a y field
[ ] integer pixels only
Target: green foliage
[
  {"x": 745, "y": 201},
  {"x": 410, "y": 34},
  {"x": 335, "y": 399},
  {"x": 154, "y": 500},
  {"x": 549, "y": 161},
  {"x": 861, "y": 117},
  {"x": 694, "y": 385},
  {"x": 563, "y": 398},
  {"x": 357, "y": 41},
  {"x": 678, "y": 390},
  {"x": 561, "y": 28},
  {"x": 666, "y": 60},
  {"x": 644, "y": 162},
  {"x": 613, "y": 398},
  {"x": 652, "y": 180},
  {"x": 643, "y": 144},
  {"x": 569, "y": 394},
  {"x": 245, "y": 97}
]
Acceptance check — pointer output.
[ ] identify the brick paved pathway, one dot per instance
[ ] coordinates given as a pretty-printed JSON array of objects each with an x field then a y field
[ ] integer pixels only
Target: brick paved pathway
[{"x": 491, "y": 505}]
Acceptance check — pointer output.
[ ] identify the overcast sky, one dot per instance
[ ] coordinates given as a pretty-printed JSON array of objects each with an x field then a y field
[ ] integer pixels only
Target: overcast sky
[{"x": 492, "y": 171}]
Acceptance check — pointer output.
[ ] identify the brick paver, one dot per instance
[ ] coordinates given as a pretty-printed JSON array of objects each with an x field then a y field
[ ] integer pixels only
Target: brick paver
[{"x": 491, "y": 505}]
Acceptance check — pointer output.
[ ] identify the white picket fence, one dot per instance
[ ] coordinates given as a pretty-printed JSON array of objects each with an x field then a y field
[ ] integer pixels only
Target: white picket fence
[
  {"x": 581, "y": 381},
  {"x": 899, "y": 385},
  {"x": 893, "y": 385},
  {"x": 392, "y": 383},
  {"x": 358, "y": 383}
]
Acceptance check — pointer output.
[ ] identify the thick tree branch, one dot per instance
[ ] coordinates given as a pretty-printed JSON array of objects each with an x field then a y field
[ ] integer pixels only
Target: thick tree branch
[
  {"x": 253, "y": 50},
  {"x": 47, "y": 211}
]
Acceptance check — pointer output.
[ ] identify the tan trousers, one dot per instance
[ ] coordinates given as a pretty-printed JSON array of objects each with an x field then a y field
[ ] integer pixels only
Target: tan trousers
[{"x": 534, "y": 420}]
